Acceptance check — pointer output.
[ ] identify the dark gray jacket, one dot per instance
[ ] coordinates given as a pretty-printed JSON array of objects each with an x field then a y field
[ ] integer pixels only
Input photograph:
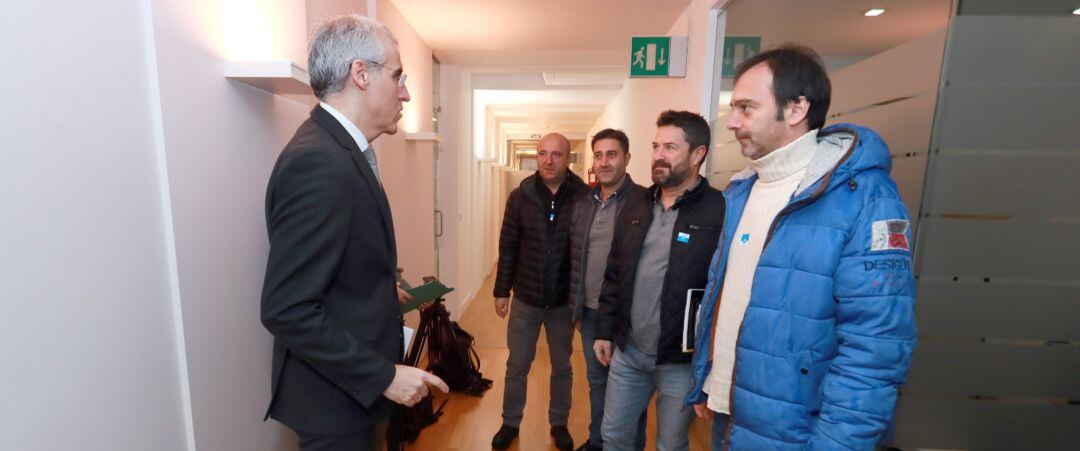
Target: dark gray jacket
[{"x": 584, "y": 211}]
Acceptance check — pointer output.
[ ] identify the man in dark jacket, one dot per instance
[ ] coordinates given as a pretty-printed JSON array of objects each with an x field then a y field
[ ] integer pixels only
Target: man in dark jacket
[
  {"x": 662, "y": 247},
  {"x": 534, "y": 262},
  {"x": 592, "y": 229}
]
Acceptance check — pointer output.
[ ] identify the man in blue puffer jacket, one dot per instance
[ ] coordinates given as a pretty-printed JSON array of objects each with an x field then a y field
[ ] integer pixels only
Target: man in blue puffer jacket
[{"x": 807, "y": 325}]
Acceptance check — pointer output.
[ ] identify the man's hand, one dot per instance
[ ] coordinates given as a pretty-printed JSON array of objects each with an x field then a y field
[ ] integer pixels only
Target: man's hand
[
  {"x": 502, "y": 306},
  {"x": 703, "y": 411},
  {"x": 403, "y": 297},
  {"x": 602, "y": 348},
  {"x": 410, "y": 385}
]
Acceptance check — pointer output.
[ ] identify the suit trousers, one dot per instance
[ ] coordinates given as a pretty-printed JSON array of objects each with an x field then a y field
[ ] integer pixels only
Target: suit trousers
[
  {"x": 373, "y": 439},
  {"x": 521, "y": 335}
]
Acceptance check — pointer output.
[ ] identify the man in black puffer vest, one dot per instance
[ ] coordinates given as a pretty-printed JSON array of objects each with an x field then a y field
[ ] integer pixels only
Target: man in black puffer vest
[
  {"x": 663, "y": 244},
  {"x": 534, "y": 262}
]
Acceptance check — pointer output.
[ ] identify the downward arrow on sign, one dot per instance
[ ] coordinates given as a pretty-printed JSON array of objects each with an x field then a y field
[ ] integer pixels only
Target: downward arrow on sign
[{"x": 661, "y": 61}]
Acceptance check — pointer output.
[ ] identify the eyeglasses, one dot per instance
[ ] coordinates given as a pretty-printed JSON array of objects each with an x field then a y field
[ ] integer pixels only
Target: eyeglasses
[{"x": 400, "y": 78}]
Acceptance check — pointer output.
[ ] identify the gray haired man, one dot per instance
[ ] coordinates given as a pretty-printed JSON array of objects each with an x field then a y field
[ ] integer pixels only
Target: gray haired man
[{"x": 329, "y": 296}]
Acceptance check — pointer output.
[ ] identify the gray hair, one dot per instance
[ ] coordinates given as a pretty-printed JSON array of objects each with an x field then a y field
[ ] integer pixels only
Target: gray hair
[{"x": 339, "y": 41}]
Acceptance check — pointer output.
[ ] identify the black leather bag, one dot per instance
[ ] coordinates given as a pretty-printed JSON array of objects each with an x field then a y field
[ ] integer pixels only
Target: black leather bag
[{"x": 451, "y": 354}]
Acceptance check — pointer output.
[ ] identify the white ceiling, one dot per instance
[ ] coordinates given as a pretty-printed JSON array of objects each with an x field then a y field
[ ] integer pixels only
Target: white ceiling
[
  {"x": 574, "y": 33},
  {"x": 572, "y": 39},
  {"x": 570, "y": 112},
  {"x": 837, "y": 28},
  {"x": 537, "y": 32}
]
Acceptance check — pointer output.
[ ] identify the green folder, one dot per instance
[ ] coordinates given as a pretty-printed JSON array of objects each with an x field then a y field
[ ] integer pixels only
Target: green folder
[{"x": 424, "y": 293}]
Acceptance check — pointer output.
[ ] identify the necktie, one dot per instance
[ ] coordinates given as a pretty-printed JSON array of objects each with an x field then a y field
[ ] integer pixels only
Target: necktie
[{"x": 369, "y": 155}]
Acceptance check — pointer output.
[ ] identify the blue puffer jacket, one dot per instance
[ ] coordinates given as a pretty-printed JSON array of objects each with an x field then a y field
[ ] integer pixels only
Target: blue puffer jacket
[{"x": 827, "y": 337}]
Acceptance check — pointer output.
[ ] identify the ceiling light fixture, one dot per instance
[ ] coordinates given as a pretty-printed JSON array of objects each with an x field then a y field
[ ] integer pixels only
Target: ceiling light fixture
[
  {"x": 874, "y": 12},
  {"x": 1076, "y": 12}
]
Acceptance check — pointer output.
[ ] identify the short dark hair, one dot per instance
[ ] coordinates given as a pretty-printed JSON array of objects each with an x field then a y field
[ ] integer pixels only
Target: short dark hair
[
  {"x": 611, "y": 133},
  {"x": 694, "y": 127},
  {"x": 797, "y": 72}
]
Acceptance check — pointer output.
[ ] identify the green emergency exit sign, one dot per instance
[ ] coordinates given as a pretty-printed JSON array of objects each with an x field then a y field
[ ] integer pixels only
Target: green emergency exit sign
[
  {"x": 658, "y": 56},
  {"x": 649, "y": 56},
  {"x": 736, "y": 50}
]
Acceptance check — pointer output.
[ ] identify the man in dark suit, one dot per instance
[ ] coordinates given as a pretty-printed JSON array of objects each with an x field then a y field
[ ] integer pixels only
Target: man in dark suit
[{"x": 329, "y": 296}]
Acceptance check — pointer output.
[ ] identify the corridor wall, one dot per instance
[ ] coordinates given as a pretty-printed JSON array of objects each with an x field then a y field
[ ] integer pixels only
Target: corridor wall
[
  {"x": 998, "y": 304},
  {"x": 636, "y": 107},
  {"x": 408, "y": 166},
  {"x": 134, "y": 242},
  {"x": 89, "y": 330},
  {"x": 221, "y": 140}
]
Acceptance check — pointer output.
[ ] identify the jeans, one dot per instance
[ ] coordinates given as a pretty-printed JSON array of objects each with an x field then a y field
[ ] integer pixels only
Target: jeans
[
  {"x": 598, "y": 376},
  {"x": 521, "y": 335},
  {"x": 632, "y": 380},
  {"x": 719, "y": 430}
]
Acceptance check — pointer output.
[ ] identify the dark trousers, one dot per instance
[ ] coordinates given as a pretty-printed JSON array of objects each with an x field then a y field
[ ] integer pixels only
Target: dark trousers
[
  {"x": 719, "y": 430},
  {"x": 373, "y": 439},
  {"x": 521, "y": 335}
]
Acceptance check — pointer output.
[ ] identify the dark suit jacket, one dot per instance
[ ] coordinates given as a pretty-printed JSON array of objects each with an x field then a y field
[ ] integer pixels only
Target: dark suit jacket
[{"x": 329, "y": 296}]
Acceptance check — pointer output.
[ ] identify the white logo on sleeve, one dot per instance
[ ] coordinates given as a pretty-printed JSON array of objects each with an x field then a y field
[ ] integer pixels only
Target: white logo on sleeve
[{"x": 890, "y": 234}]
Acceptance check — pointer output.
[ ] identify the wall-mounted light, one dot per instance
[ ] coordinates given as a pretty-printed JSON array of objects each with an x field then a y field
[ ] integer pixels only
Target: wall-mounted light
[
  {"x": 874, "y": 12},
  {"x": 1076, "y": 12}
]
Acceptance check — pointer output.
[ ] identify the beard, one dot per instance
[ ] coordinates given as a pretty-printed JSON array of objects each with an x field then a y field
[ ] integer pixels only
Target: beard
[{"x": 675, "y": 175}]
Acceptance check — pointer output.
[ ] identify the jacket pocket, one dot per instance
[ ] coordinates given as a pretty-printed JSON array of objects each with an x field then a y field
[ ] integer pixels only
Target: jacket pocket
[{"x": 809, "y": 374}]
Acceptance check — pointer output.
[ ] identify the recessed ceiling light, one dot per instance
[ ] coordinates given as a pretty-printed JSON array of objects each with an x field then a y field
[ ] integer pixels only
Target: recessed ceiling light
[{"x": 874, "y": 12}]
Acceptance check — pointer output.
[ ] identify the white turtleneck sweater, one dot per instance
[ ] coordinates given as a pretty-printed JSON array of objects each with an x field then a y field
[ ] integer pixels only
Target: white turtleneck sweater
[{"x": 779, "y": 174}]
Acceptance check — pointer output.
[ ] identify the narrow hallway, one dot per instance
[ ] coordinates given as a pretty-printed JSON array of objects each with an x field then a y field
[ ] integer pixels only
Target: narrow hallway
[{"x": 468, "y": 423}]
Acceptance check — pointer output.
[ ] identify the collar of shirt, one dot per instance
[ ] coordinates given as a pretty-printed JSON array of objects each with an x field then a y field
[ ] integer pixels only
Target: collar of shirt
[
  {"x": 597, "y": 192},
  {"x": 350, "y": 127}
]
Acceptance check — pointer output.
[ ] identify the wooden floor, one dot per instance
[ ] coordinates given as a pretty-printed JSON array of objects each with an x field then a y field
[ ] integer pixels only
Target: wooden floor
[{"x": 469, "y": 422}]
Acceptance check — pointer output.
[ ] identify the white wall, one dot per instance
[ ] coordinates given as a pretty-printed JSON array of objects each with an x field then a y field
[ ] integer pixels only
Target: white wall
[
  {"x": 87, "y": 331},
  {"x": 471, "y": 195},
  {"x": 222, "y": 138},
  {"x": 999, "y": 294},
  {"x": 635, "y": 108},
  {"x": 407, "y": 168}
]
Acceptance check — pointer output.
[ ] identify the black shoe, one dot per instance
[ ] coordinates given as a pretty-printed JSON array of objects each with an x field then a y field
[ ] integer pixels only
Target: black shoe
[
  {"x": 562, "y": 437},
  {"x": 588, "y": 446},
  {"x": 504, "y": 437}
]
